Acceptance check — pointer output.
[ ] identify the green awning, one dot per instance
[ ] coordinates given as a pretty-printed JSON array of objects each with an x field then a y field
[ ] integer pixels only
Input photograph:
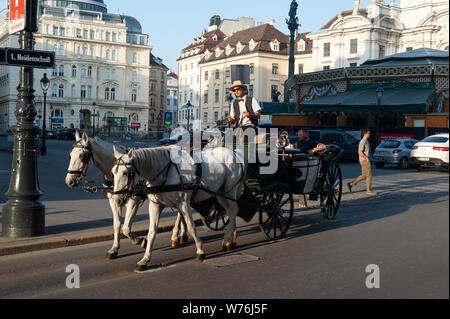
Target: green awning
[
  {"x": 272, "y": 107},
  {"x": 405, "y": 98}
]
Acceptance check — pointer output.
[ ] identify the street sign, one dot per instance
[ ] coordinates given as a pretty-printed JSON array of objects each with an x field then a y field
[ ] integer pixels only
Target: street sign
[
  {"x": 17, "y": 9},
  {"x": 2, "y": 56},
  {"x": 29, "y": 58},
  {"x": 168, "y": 118}
]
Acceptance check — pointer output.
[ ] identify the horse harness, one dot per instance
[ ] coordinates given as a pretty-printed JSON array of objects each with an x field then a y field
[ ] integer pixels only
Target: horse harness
[{"x": 86, "y": 157}]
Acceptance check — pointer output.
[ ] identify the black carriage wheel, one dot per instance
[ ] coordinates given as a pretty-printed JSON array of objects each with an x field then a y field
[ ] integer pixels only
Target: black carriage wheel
[
  {"x": 331, "y": 192},
  {"x": 217, "y": 218},
  {"x": 276, "y": 212}
]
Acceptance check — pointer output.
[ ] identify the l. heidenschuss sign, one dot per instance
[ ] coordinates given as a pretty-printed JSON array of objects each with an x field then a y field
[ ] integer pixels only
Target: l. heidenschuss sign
[{"x": 27, "y": 58}]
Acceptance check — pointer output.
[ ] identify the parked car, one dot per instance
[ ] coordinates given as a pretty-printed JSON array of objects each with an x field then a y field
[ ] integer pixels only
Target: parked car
[
  {"x": 396, "y": 152},
  {"x": 347, "y": 143},
  {"x": 51, "y": 134},
  {"x": 431, "y": 152},
  {"x": 67, "y": 134}
]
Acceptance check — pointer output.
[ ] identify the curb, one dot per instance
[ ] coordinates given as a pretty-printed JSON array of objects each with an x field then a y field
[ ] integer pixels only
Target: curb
[{"x": 75, "y": 240}]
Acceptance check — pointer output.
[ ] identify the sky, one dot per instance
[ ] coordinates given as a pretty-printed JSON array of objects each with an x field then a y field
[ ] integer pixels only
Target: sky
[{"x": 172, "y": 24}]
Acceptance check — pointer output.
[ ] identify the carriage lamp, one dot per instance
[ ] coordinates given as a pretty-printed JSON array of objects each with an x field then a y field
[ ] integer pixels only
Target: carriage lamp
[{"x": 45, "y": 84}]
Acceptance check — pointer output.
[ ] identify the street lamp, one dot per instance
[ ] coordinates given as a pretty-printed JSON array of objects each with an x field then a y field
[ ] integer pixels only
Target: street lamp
[
  {"x": 379, "y": 93},
  {"x": 45, "y": 84},
  {"x": 188, "y": 106},
  {"x": 94, "y": 104}
]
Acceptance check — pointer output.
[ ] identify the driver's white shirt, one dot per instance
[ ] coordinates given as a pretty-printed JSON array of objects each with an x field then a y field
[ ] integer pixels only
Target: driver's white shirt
[{"x": 245, "y": 121}]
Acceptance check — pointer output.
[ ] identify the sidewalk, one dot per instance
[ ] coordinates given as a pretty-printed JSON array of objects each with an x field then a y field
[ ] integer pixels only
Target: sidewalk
[{"x": 80, "y": 222}]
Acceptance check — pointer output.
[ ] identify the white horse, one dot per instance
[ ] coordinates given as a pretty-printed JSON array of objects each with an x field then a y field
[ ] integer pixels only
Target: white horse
[
  {"x": 223, "y": 172},
  {"x": 87, "y": 152}
]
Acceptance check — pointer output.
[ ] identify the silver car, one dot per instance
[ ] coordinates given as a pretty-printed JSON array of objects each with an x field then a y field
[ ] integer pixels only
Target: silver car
[{"x": 395, "y": 151}]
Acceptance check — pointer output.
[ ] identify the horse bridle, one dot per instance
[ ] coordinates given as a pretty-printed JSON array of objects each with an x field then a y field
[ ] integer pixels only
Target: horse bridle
[
  {"x": 86, "y": 157},
  {"x": 127, "y": 190}
]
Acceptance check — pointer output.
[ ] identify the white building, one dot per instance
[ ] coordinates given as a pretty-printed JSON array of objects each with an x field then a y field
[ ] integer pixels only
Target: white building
[
  {"x": 100, "y": 57},
  {"x": 172, "y": 96},
  {"x": 354, "y": 36}
]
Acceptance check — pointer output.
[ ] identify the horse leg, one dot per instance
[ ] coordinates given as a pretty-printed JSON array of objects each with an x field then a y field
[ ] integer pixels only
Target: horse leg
[
  {"x": 154, "y": 211},
  {"x": 187, "y": 212},
  {"x": 230, "y": 235},
  {"x": 117, "y": 211},
  {"x": 183, "y": 234},
  {"x": 176, "y": 230},
  {"x": 131, "y": 211}
]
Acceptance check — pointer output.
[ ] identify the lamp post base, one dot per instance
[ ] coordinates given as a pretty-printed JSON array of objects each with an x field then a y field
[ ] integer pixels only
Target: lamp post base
[{"x": 23, "y": 218}]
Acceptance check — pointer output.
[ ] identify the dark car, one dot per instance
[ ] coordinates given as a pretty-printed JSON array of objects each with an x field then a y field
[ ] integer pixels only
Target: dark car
[
  {"x": 67, "y": 134},
  {"x": 51, "y": 134},
  {"x": 347, "y": 143}
]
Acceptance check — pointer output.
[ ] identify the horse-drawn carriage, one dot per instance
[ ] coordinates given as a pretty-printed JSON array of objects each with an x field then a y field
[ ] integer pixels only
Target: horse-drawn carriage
[{"x": 271, "y": 195}]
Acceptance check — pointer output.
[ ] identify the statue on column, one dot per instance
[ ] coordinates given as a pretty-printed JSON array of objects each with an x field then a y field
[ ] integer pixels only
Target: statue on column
[{"x": 356, "y": 8}]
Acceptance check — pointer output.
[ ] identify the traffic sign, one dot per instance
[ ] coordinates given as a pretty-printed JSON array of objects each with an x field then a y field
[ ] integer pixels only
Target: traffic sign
[
  {"x": 17, "y": 9},
  {"x": 27, "y": 58},
  {"x": 168, "y": 118}
]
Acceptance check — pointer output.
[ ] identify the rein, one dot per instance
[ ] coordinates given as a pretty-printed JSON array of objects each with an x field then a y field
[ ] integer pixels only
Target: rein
[{"x": 87, "y": 156}]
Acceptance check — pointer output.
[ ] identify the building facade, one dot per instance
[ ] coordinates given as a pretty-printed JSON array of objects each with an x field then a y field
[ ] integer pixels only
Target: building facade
[
  {"x": 172, "y": 97},
  {"x": 157, "y": 96},
  {"x": 101, "y": 69}
]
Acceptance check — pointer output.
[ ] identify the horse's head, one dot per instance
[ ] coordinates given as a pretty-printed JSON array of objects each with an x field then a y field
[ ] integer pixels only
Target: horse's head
[
  {"x": 125, "y": 176},
  {"x": 79, "y": 160}
]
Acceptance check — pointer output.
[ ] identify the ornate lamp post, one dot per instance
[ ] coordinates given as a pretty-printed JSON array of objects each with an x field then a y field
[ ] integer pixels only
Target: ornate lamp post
[
  {"x": 45, "y": 84},
  {"x": 23, "y": 214},
  {"x": 188, "y": 106},
  {"x": 379, "y": 92},
  {"x": 293, "y": 28}
]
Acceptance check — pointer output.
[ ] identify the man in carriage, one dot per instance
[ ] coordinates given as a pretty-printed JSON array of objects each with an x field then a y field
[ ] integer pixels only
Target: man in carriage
[{"x": 245, "y": 110}]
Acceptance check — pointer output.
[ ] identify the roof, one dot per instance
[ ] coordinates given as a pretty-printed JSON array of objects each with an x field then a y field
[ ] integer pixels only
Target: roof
[
  {"x": 263, "y": 35},
  {"x": 345, "y": 13},
  {"x": 207, "y": 42},
  {"x": 418, "y": 56},
  {"x": 154, "y": 61},
  {"x": 398, "y": 97},
  {"x": 173, "y": 75}
]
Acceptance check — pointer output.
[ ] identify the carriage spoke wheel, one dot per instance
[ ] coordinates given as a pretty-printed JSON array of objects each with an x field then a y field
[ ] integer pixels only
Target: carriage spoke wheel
[
  {"x": 277, "y": 209},
  {"x": 217, "y": 218},
  {"x": 331, "y": 192}
]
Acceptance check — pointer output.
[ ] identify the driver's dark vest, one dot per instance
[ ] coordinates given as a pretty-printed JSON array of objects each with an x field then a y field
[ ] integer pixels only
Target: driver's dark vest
[{"x": 248, "y": 106}]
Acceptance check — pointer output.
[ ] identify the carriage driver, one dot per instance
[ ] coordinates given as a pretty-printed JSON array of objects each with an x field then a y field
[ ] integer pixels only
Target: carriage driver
[{"x": 245, "y": 110}]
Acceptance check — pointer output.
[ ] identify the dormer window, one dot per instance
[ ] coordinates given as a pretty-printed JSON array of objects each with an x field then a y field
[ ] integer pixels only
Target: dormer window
[
  {"x": 301, "y": 46},
  {"x": 217, "y": 53},
  {"x": 215, "y": 38},
  {"x": 252, "y": 45},
  {"x": 275, "y": 45},
  {"x": 239, "y": 48},
  {"x": 228, "y": 50},
  {"x": 207, "y": 55}
]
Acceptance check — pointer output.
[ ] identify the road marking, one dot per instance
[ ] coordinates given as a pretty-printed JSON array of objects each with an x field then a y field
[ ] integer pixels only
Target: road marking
[{"x": 229, "y": 260}]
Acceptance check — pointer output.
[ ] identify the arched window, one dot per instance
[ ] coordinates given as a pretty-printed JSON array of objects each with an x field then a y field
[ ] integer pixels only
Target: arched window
[
  {"x": 89, "y": 71},
  {"x": 113, "y": 94},
  {"x": 85, "y": 50},
  {"x": 74, "y": 71},
  {"x": 107, "y": 54},
  {"x": 113, "y": 55},
  {"x": 83, "y": 71},
  {"x": 133, "y": 96},
  {"x": 54, "y": 90},
  {"x": 107, "y": 94},
  {"x": 61, "y": 91}
]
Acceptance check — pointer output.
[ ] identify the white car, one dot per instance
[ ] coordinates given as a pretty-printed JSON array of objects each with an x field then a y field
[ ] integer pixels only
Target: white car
[{"x": 431, "y": 152}]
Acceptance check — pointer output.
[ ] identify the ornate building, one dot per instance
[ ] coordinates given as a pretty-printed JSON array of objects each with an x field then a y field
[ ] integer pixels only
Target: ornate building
[
  {"x": 100, "y": 57},
  {"x": 157, "y": 95}
]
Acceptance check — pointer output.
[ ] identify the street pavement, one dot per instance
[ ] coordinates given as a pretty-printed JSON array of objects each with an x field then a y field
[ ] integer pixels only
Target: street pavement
[{"x": 404, "y": 230}]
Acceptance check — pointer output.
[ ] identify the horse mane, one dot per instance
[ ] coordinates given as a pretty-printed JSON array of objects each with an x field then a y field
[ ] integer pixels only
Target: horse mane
[
  {"x": 151, "y": 161},
  {"x": 103, "y": 154}
]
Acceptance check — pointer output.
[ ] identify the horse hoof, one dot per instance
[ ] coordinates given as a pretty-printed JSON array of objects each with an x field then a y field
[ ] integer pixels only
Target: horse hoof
[
  {"x": 174, "y": 243},
  {"x": 233, "y": 246},
  {"x": 143, "y": 243},
  {"x": 184, "y": 239},
  {"x": 140, "y": 268},
  {"x": 226, "y": 248},
  {"x": 111, "y": 256},
  {"x": 201, "y": 257}
]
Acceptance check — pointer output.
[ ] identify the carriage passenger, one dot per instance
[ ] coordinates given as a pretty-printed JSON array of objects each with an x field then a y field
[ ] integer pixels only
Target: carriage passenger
[{"x": 306, "y": 144}]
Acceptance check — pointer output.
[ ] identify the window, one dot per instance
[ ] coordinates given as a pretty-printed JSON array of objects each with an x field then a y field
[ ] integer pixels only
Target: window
[
  {"x": 89, "y": 92},
  {"x": 274, "y": 68},
  {"x": 216, "y": 116},
  {"x": 61, "y": 50},
  {"x": 228, "y": 51},
  {"x": 205, "y": 117},
  {"x": 162, "y": 75},
  {"x": 113, "y": 94},
  {"x": 55, "y": 30},
  {"x": 205, "y": 97},
  {"x": 61, "y": 70},
  {"x": 113, "y": 74},
  {"x": 301, "y": 46},
  {"x": 74, "y": 71},
  {"x": 107, "y": 74},
  {"x": 133, "y": 96},
  {"x": 382, "y": 51},
  {"x": 62, "y": 31},
  {"x": 134, "y": 57},
  {"x": 276, "y": 47},
  {"x": 252, "y": 68},
  {"x": 92, "y": 34},
  {"x": 106, "y": 93},
  {"x": 152, "y": 102},
  {"x": 89, "y": 71},
  {"x": 55, "y": 71},
  {"x": 217, "y": 74},
  {"x": 57, "y": 113},
  {"x": 92, "y": 51},
  {"x": 114, "y": 37},
  {"x": 216, "y": 96},
  {"x": 300, "y": 69},
  {"x": 83, "y": 91},
  {"x": 83, "y": 71},
  {"x": 252, "y": 46},
  {"x": 206, "y": 76},
  {"x": 353, "y": 65},
  {"x": 326, "y": 49},
  {"x": 74, "y": 91},
  {"x": 107, "y": 55},
  {"x": 274, "y": 88},
  {"x": 78, "y": 33},
  {"x": 134, "y": 76},
  {"x": 409, "y": 49},
  {"x": 54, "y": 90},
  {"x": 332, "y": 138},
  {"x": 354, "y": 46},
  {"x": 326, "y": 67},
  {"x": 113, "y": 55},
  {"x": 108, "y": 35},
  {"x": 250, "y": 90},
  {"x": 227, "y": 72},
  {"x": 85, "y": 50}
]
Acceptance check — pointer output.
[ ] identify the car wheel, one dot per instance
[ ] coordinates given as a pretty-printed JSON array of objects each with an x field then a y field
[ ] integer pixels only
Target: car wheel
[
  {"x": 379, "y": 164},
  {"x": 403, "y": 163}
]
